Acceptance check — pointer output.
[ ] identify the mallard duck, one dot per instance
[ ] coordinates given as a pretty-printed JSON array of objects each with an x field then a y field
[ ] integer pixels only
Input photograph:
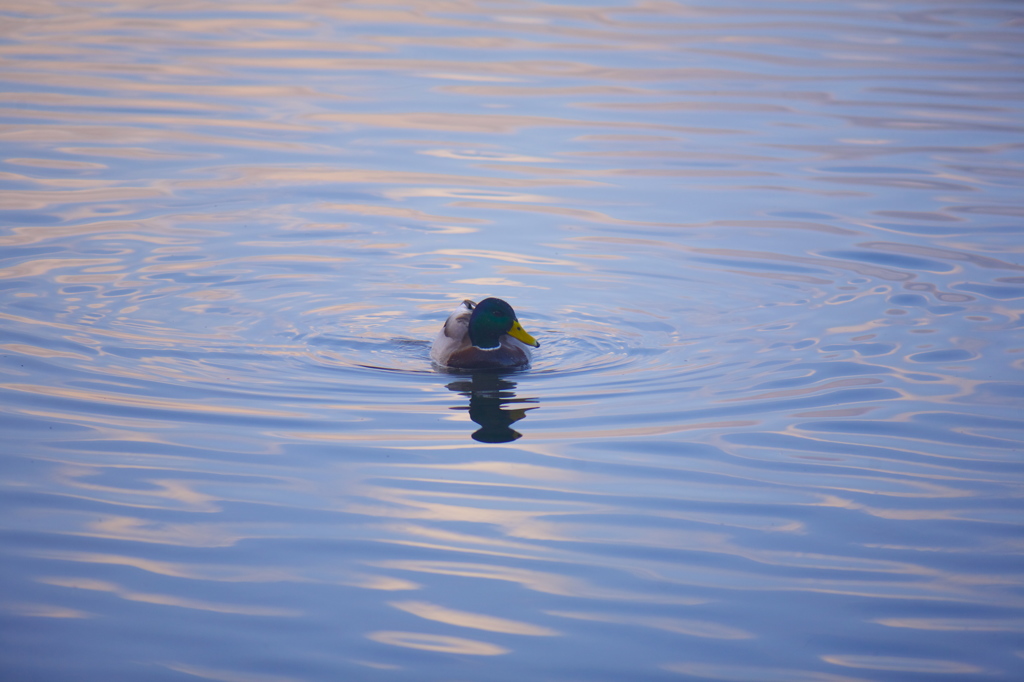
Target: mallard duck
[{"x": 484, "y": 335}]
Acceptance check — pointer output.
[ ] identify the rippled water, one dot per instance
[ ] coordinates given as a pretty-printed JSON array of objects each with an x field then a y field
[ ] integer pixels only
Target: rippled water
[{"x": 772, "y": 251}]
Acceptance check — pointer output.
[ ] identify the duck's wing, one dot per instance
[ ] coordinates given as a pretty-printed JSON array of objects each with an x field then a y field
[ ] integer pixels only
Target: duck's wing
[
  {"x": 457, "y": 325},
  {"x": 454, "y": 335}
]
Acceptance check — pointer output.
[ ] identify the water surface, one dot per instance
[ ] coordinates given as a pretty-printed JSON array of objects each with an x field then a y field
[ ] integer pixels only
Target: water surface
[{"x": 772, "y": 253}]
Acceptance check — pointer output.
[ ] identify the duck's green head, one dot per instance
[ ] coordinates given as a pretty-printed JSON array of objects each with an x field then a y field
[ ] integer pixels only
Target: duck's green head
[{"x": 492, "y": 318}]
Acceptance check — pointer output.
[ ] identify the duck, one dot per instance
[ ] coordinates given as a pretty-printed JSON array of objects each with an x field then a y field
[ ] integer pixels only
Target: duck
[{"x": 484, "y": 335}]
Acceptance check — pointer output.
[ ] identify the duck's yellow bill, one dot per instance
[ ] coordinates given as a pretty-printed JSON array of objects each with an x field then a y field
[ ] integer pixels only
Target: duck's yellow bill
[{"x": 517, "y": 332}]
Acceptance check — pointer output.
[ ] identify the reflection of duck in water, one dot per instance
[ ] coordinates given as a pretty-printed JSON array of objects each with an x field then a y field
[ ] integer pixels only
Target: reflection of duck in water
[
  {"x": 484, "y": 335},
  {"x": 487, "y": 392}
]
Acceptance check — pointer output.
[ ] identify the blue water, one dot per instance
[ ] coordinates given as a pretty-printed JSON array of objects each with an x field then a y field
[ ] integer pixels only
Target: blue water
[{"x": 771, "y": 250}]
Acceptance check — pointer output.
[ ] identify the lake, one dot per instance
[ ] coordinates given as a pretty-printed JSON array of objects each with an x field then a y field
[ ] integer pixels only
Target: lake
[{"x": 772, "y": 252}]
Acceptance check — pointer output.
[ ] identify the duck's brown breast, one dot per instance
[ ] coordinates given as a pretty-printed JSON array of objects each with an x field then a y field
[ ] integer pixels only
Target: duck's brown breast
[{"x": 479, "y": 358}]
